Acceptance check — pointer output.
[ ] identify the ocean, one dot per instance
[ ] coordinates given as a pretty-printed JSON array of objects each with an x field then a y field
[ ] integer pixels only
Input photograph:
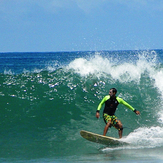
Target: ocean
[{"x": 47, "y": 98}]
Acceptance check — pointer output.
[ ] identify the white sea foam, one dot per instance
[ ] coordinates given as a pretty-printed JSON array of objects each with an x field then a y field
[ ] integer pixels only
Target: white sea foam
[
  {"x": 9, "y": 72},
  {"x": 95, "y": 65},
  {"x": 142, "y": 138},
  {"x": 124, "y": 72},
  {"x": 146, "y": 137}
]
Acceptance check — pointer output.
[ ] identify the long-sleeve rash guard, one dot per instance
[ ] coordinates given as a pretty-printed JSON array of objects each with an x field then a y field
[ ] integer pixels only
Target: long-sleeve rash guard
[{"x": 111, "y": 104}]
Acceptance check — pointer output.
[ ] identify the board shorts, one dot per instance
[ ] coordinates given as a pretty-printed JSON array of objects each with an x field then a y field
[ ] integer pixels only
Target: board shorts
[{"x": 113, "y": 119}]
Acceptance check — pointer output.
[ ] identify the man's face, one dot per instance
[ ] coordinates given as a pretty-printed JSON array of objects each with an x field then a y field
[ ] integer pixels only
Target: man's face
[{"x": 111, "y": 93}]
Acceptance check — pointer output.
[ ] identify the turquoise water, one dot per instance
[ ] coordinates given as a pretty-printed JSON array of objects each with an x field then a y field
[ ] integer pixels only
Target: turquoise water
[{"x": 47, "y": 98}]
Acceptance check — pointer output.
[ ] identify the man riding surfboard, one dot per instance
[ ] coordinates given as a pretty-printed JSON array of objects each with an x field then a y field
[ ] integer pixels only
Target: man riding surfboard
[{"x": 111, "y": 103}]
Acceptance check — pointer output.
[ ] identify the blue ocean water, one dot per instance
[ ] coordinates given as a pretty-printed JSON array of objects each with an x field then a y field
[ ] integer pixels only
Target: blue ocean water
[{"x": 47, "y": 98}]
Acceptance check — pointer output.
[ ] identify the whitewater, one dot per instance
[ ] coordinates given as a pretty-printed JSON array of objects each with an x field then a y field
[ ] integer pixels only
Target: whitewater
[{"x": 47, "y": 98}]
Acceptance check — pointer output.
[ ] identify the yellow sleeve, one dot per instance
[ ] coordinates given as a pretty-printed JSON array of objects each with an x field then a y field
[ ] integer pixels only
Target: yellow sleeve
[
  {"x": 102, "y": 102},
  {"x": 121, "y": 101}
]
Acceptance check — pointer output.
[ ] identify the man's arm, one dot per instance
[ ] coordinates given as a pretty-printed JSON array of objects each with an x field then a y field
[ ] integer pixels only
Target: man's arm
[
  {"x": 100, "y": 105},
  {"x": 121, "y": 101}
]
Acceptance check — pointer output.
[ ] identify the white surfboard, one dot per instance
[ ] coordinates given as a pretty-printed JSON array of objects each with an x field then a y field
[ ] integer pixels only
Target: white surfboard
[{"x": 101, "y": 139}]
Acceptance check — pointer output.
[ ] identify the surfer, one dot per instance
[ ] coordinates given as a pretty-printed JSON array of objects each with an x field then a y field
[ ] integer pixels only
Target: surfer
[{"x": 111, "y": 103}]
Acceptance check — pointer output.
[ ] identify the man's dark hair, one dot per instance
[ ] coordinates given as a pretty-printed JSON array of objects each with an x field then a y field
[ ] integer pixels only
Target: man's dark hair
[{"x": 114, "y": 90}]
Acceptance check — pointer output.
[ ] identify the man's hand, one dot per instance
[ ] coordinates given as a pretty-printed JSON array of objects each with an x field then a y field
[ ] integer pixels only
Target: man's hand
[
  {"x": 137, "y": 112},
  {"x": 97, "y": 114}
]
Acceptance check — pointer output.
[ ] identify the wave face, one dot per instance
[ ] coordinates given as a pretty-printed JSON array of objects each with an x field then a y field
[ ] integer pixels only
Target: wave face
[{"x": 47, "y": 98}]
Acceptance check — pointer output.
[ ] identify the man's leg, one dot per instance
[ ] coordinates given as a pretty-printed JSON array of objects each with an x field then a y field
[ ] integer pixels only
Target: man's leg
[
  {"x": 106, "y": 127},
  {"x": 120, "y": 132},
  {"x": 119, "y": 126}
]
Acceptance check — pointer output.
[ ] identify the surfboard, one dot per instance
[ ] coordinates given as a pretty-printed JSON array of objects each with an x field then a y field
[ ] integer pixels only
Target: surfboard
[{"x": 105, "y": 140}]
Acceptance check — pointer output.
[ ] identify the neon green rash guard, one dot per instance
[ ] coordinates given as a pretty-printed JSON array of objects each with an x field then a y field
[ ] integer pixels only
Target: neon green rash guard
[{"x": 111, "y": 104}]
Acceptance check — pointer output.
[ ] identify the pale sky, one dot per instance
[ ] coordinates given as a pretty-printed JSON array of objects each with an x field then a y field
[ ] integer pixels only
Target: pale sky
[{"x": 80, "y": 25}]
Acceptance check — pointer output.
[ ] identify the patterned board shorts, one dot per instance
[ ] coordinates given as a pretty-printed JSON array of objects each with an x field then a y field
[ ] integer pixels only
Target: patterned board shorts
[{"x": 113, "y": 119}]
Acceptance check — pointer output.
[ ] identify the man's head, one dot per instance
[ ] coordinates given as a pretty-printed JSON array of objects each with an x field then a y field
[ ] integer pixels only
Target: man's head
[{"x": 112, "y": 92}]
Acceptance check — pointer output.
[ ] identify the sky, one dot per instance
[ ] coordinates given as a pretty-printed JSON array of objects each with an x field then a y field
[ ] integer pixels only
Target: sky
[{"x": 80, "y": 25}]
